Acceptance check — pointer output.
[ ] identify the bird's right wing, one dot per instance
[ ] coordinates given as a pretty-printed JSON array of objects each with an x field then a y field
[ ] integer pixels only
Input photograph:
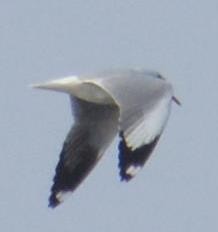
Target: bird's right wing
[
  {"x": 144, "y": 101},
  {"x": 139, "y": 139},
  {"x": 94, "y": 128}
]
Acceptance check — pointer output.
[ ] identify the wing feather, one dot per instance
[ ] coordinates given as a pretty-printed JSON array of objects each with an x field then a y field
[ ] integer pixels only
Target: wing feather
[
  {"x": 94, "y": 129},
  {"x": 144, "y": 101}
]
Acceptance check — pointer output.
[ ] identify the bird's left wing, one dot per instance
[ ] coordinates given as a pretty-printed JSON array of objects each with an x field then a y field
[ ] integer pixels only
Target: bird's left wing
[{"x": 94, "y": 128}]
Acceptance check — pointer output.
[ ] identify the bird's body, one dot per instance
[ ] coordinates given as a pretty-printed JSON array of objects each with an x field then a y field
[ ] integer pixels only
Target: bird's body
[{"x": 132, "y": 103}]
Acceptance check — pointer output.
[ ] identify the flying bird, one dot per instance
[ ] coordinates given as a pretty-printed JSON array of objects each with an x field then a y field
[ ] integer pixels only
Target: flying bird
[{"x": 134, "y": 104}]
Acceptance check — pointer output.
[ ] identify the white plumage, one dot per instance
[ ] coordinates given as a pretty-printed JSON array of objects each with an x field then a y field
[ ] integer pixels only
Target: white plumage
[{"x": 132, "y": 103}]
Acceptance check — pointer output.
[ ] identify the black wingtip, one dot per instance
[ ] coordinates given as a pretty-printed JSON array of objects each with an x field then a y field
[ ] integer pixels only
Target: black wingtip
[
  {"x": 53, "y": 201},
  {"x": 68, "y": 177},
  {"x": 135, "y": 159},
  {"x": 125, "y": 177}
]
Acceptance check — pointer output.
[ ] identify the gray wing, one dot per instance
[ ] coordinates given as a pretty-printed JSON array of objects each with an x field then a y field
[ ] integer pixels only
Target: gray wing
[
  {"x": 144, "y": 100},
  {"x": 94, "y": 129}
]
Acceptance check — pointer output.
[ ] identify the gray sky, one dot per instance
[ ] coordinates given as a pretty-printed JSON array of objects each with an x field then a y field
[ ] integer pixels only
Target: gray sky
[{"x": 41, "y": 40}]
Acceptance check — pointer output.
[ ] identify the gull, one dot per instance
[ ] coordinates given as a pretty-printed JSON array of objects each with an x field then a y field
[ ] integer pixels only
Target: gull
[{"x": 133, "y": 104}]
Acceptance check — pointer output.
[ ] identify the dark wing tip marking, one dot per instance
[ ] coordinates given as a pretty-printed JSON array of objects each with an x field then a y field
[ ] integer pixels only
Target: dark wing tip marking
[
  {"x": 68, "y": 177},
  {"x": 53, "y": 201},
  {"x": 136, "y": 158}
]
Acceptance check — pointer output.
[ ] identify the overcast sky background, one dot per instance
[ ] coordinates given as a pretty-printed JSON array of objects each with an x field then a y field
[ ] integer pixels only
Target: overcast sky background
[{"x": 40, "y": 40}]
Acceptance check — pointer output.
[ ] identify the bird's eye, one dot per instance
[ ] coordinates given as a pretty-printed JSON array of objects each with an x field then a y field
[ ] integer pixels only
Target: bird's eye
[{"x": 159, "y": 76}]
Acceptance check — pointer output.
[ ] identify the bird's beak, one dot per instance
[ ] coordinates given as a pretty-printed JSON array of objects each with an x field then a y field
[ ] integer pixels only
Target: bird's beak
[{"x": 176, "y": 101}]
